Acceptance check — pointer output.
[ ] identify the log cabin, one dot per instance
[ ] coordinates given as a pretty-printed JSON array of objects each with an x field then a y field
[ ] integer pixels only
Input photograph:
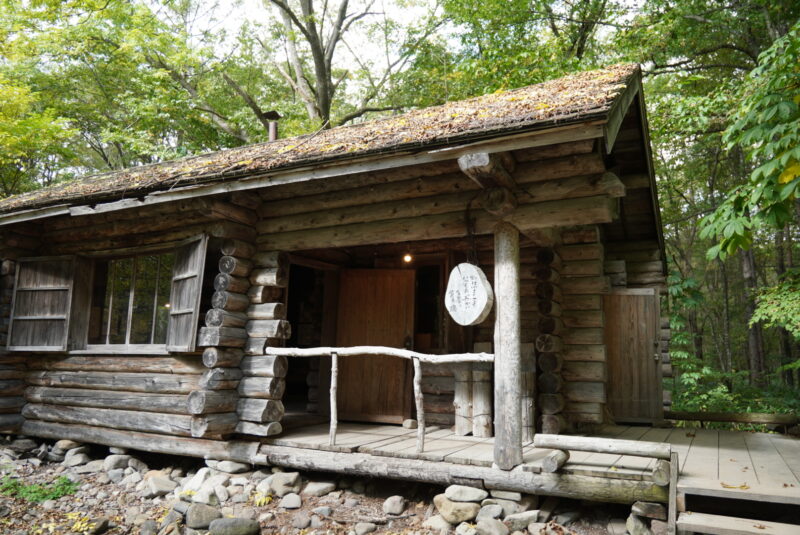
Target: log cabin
[{"x": 284, "y": 303}]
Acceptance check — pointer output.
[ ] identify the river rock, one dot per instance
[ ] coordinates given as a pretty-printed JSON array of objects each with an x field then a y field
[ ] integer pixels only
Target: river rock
[
  {"x": 491, "y": 526},
  {"x": 301, "y": 520},
  {"x": 232, "y": 467},
  {"x": 318, "y": 488},
  {"x": 490, "y": 511},
  {"x": 116, "y": 475},
  {"x": 199, "y": 515},
  {"x": 323, "y": 510},
  {"x": 92, "y": 467},
  {"x": 234, "y": 526},
  {"x": 506, "y": 495},
  {"x": 64, "y": 445},
  {"x": 291, "y": 501},
  {"x": 76, "y": 460},
  {"x": 455, "y": 512},
  {"x": 461, "y": 493},
  {"x": 519, "y": 521},
  {"x": 437, "y": 524},
  {"x": 509, "y": 507},
  {"x": 465, "y": 528},
  {"x": 149, "y": 528},
  {"x": 283, "y": 483},
  {"x": 362, "y": 528},
  {"x": 197, "y": 480},
  {"x": 113, "y": 462},
  {"x": 394, "y": 505},
  {"x": 159, "y": 486}
]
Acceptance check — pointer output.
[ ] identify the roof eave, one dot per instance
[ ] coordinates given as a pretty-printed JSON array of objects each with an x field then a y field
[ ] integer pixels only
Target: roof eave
[{"x": 590, "y": 127}]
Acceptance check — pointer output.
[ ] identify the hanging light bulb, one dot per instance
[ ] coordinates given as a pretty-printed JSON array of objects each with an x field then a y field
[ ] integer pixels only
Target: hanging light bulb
[{"x": 407, "y": 258}]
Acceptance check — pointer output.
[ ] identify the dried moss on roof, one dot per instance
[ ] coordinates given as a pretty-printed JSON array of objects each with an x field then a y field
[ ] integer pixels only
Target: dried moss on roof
[{"x": 572, "y": 98}]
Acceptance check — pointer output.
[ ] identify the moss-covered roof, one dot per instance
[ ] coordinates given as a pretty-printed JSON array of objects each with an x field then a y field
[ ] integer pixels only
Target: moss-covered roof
[{"x": 573, "y": 98}]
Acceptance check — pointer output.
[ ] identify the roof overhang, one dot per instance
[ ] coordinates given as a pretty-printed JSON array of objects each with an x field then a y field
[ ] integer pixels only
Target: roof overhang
[{"x": 583, "y": 130}]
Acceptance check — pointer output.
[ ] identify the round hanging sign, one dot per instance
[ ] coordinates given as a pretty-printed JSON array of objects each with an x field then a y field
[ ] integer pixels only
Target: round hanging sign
[{"x": 469, "y": 297}]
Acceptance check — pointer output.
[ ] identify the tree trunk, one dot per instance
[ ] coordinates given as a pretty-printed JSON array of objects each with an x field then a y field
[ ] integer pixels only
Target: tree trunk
[
  {"x": 755, "y": 339},
  {"x": 785, "y": 339}
]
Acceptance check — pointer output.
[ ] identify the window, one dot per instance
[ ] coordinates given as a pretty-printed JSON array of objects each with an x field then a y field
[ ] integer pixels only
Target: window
[
  {"x": 131, "y": 300},
  {"x": 78, "y": 303}
]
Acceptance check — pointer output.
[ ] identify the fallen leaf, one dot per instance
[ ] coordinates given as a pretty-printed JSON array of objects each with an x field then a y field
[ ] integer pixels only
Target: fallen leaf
[
  {"x": 743, "y": 486},
  {"x": 759, "y": 526}
]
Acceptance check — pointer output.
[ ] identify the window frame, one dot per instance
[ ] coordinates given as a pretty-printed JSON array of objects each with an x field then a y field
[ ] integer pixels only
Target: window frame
[
  {"x": 144, "y": 348},
  {"x": 79, "y": 301}
]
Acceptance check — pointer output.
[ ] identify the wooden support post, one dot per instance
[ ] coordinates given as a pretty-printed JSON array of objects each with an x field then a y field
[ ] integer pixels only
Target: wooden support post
[
  {"x": 507, "y": 362},
  {"x": 672, "y": 512},
  {"x": 334, "y": 410},
  {"x": 420, "y": 406}
]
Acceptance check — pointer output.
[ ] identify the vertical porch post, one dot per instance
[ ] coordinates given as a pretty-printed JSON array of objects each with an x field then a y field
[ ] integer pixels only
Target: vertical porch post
[{"x": 507, "y": 349}]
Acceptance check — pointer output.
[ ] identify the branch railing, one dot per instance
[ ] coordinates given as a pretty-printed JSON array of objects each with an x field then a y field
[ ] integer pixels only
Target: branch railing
[{"x": 379, "y": 351}]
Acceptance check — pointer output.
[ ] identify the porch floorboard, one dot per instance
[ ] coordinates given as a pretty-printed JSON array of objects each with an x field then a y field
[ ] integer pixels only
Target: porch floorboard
[{"x": 728, "y": 464}]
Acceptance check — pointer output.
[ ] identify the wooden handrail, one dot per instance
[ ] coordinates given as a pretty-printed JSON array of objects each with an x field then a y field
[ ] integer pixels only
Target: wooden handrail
[
  {"x": 378, "y": 351},
  {"x": 734, "y": 417}
]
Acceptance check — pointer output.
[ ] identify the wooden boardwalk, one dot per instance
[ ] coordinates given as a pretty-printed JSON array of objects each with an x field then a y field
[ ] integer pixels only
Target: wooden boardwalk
[{"x": 749, "y": 466}]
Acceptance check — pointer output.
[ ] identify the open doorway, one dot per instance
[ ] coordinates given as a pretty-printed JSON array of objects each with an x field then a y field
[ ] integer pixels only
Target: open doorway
[{"x": 373, "y": 297}]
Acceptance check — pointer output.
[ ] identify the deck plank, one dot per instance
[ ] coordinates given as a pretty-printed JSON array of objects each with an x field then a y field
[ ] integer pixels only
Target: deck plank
[
  {"x": 735, "y": 465},
  {"x": 789, "y": 450},
  {"x": 770, "y": 467},
  {"x": 680, "y": 438},
  {"x": 728, "y": 525},
  {"x": 702, "y": 460}
]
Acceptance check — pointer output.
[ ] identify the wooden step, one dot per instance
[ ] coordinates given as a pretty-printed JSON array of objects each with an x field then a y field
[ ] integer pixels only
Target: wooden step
[{"x": 728, "y": 525}]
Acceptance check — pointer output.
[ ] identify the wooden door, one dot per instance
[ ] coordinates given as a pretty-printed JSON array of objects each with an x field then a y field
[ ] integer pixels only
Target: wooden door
[
  {"x": 376, "y": 307},
  {"x": 634, "y": 368}
]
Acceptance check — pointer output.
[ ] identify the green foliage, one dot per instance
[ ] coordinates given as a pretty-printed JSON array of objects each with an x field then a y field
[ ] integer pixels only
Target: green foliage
[
  {"x": 779, "y": 305},
  {"x": 766, "y": 126},
  {"x": 13, "y": 487},
  {"x": 29, "y": 136}
]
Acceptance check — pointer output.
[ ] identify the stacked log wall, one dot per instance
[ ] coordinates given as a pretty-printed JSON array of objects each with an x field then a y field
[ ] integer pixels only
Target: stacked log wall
[
  {"x": 549, "y": 344},
  {"x": 264, "y": 376},
  {"x": 584, "y": 369},
  {"x": 12, "y": 368},
  {"x": 134, "y": 392}
]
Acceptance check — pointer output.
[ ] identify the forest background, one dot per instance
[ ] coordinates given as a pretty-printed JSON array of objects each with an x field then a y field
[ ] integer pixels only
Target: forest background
[{"x": 88, "y": 86}]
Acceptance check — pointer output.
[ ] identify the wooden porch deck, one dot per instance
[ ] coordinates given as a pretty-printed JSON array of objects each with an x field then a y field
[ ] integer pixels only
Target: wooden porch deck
[{"x": 736, "y": 465}]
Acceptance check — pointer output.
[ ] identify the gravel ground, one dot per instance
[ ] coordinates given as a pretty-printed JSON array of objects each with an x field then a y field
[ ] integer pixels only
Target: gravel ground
[{"x": 136, "y": 493}]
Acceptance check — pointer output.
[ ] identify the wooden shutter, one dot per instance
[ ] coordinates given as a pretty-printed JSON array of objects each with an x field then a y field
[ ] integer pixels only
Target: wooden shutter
[
  {"x": 187, "y": 285},
  {"x": 40, "y": 316}
]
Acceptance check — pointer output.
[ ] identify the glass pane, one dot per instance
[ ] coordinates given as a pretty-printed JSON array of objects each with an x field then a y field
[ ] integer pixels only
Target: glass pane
[
  {"x": 119, "y": 292},
  {"x": 98, "y": 317},
  {"x": 144, "y": 291},
  {"x": 162, "y": 299}
]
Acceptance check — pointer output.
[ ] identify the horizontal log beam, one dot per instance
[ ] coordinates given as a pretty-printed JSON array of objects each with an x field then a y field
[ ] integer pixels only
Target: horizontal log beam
[
  {"x": 655, "y": 450},
  {"x": 450, "y": 225},
  {"x": 733, "y": 417},
  {"x": 120, "y": 363},
  {"x": 108, "y": 399},
  {"x": 438, "y": 473},
  {"x": 168, "y": 424},
  {"x": 129, "y": 382},
  {"x": 229, "y": 450}
]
